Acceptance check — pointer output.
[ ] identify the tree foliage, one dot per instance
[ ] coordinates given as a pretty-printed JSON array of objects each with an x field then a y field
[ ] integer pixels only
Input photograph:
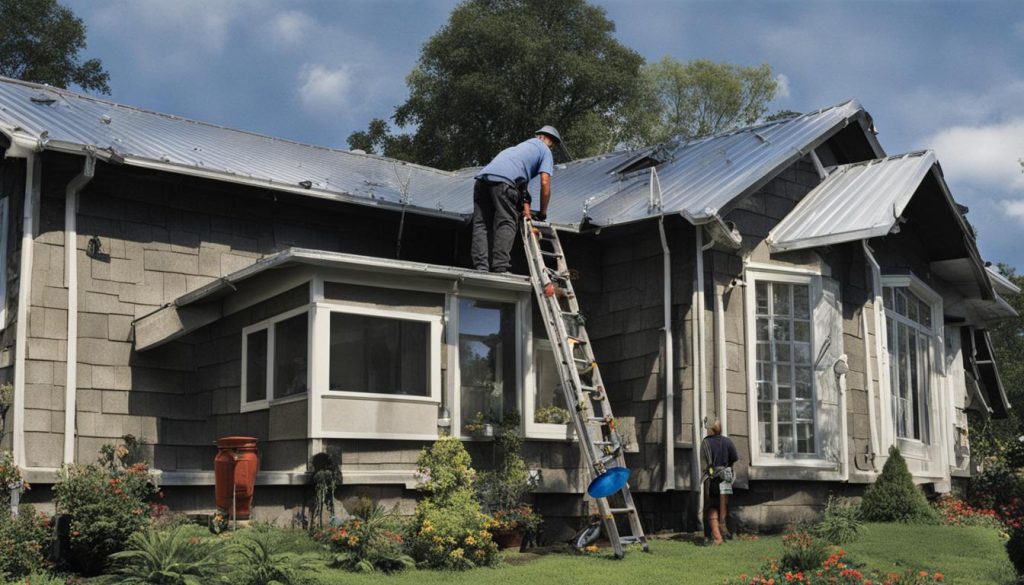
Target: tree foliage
[
  {"x": 40, "y": 41},
  {"x": 999, "y": 437},
  {"x": 701, "y": 97},
  {"x": 500, "y": 69}
]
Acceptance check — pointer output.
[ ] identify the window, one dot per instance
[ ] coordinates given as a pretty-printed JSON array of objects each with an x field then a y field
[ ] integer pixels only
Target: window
[
  {"x": 487, "y": 360},
  {"x": 291, "y": 355},
  {"x": 784, "y": 368},
  {"x": 275, "y": 359},
  {"x": 256, "y": 366},
  {"x": 548, "y": 404},
  {"x": 379, "y": 355},
  {"x": 909, "y": 333}
]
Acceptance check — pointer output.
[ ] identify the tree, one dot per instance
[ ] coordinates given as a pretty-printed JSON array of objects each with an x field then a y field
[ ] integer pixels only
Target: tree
[
  {"x": 500, "y": 69},
  {"x": 701, "y": 97},
  {"x": 40, "y": 41},
  {"x": 1008, "y": 342}
]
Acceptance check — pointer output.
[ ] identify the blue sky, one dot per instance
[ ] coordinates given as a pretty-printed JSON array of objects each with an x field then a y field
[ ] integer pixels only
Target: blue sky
[{"x": 933, "y": 74}]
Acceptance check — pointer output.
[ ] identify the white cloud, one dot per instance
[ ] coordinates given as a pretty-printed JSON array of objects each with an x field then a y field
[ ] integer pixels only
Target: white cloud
[
  {"x": 983, "y": 154},
  {"x": 1014, "y": 208},
  {"x": 290, "y": 27},
  {"x": 782, "y": 92},
  {"x": 322, "y": 88}
]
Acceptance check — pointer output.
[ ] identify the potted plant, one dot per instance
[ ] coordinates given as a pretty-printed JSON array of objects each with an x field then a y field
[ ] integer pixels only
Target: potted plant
[
  {"x": 555, "y": 415},
  {"x": 503, "y": 489},
  {"x": 481, "y": 425}
]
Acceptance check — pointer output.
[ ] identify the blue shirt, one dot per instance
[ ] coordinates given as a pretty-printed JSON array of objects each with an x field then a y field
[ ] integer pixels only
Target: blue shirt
[{"x": 525, "y": 160}]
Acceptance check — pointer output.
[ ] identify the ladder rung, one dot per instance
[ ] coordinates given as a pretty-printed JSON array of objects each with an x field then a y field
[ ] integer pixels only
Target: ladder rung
[
  {"x": 601, "y": 443},
  {"x": 622, "y": 511},
  {"x": 600, "y": 419},
  {"x": 632, "y": 539},
  {"x": 551, "y": 254},
  {"x": 575, "y": 339}
]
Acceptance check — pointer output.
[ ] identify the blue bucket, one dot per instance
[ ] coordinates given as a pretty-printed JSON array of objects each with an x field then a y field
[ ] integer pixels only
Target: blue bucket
[{"x": 608, "y": 482}]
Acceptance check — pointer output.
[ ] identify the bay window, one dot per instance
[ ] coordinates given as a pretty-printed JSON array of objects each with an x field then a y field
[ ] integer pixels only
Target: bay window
[{"x": 910, "y": 335}]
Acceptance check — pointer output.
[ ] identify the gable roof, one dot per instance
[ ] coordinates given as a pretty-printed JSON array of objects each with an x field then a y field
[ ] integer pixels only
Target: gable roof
[
  {"x": 697, "y": 177},
  {"x": 855, "y": 202}
]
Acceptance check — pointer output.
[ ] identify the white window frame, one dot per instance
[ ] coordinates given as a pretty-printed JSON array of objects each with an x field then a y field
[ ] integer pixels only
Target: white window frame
[
  {"x": 535, "y": 430},
  {"x": 936, "y": 349},
  {"x": 4, "y": 222},
  {"x": 523, "y": 335},
  {"x": 322, "y": 343},
  {"x": 785, "y": 275},
  {"x": 269, "y": 325}
]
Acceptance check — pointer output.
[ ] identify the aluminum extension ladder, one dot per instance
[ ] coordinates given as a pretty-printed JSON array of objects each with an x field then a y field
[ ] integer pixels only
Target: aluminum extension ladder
[{"x": 589, "y": 407}]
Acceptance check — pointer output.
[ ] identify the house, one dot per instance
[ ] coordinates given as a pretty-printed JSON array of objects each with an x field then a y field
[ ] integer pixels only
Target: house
[{"x": 180, "y": 282}]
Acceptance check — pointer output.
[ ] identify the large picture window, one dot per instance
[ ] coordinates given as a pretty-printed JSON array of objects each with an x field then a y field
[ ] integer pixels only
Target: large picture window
[
  {"x": 784, "y": 368},
  {"x": 379, "y": 355},
  {"x": 909, "y": 333},
  {"x": 275, "y": 359}
]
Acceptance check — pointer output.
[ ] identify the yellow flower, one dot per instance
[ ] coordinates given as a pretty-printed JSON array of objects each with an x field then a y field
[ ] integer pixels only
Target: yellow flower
[
  {"x": 458, "y": 553},
  {"x": 438, "y": 539},
  {"x": 470, "y": 541}
]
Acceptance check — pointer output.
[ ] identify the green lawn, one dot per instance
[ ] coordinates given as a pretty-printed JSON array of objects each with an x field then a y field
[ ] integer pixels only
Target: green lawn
[{"x": 967, "y": 556}]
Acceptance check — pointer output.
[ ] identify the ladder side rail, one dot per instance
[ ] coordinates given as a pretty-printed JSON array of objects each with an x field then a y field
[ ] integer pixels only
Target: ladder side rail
[{"x": 572, "y": 385}]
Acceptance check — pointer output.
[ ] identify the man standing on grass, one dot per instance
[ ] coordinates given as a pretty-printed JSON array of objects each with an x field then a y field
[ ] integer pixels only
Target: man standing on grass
[
  {"x": 500, "y": 198},
  {"x": 719, "y": 454}
]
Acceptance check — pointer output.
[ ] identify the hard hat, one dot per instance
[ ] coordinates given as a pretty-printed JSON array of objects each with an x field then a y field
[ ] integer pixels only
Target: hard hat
[{"x": 550, "y": 131}]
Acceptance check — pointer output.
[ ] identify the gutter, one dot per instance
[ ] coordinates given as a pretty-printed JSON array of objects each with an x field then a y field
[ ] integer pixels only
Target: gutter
[
  {"x": 33, "y": 176},
  {"x": 71, "y": 281},
  {"x": 668, "y": 363}
]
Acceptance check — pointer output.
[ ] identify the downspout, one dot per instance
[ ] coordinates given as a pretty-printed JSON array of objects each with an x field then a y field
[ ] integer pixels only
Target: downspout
[
  {"x": 668, "y": 363},
  {"x": 699, "y": 389},
  {"x": 876, "y": 290},
  {"x": 71, "y": 281},
  {"x": 33, "y": 175},
  {"x": 720, "y": 373}
]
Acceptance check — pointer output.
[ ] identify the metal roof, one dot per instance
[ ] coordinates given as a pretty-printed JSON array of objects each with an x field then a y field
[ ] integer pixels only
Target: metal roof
[
  {"x": 697, "y": 177},
  {"x": 855, "y": 202}
]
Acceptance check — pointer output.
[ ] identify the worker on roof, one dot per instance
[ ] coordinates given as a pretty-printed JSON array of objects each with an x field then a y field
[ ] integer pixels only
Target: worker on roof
[{"x": 500, "y": 197}]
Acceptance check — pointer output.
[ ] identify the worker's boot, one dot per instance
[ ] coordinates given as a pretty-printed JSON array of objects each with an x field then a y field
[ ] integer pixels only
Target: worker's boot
[{"x": 724, "y": 529}]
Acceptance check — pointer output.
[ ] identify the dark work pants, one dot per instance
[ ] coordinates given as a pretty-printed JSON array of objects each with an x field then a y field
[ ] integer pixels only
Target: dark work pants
[{"x": 495, "y": 216}]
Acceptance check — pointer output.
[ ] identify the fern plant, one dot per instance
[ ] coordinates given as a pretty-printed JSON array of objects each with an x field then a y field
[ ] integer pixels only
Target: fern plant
[
  {"x": 369, "y": 541},
  {"x": 840, "y": 523},
  {"x": 257, "y": 565},
  {"x": 168, "y": 557}
]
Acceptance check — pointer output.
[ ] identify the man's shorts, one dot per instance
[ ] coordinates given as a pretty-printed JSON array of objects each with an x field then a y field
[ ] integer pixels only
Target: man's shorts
[{"x": 728, "y": 476}]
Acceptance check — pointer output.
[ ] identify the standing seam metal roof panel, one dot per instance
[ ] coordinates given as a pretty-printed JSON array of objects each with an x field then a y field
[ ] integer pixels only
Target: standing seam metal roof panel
[
  {"x": 698, "y": 178},
  {"x": 854, "y": 202}
]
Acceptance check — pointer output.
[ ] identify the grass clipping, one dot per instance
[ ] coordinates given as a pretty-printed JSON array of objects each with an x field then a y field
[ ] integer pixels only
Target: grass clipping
[{"x": 894, "y": 497}]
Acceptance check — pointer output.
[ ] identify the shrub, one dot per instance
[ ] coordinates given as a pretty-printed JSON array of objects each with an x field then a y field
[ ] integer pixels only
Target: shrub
[
  {"x": 840, "y": 524},
  {"x": 894, "y": 497},
  {"x": 258, "y": 562},
  {"x": 1015, "y": 548},
  {"x": 10, "y": 479},
  {"x": 503, "y": 489},
  {"x": 802, "y": 552},
  {"x": 1000, "y": 489},
  {"x": 369, "y": 541},
  {"x": 107, "y": 502},
  {"x": 168, "y": 557},
  {"x": 25, "y": 541},
  {"x": 956, "y": 512},
  {"x": 449, "y": 530},
  {"x": 835, "y": 569}
]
